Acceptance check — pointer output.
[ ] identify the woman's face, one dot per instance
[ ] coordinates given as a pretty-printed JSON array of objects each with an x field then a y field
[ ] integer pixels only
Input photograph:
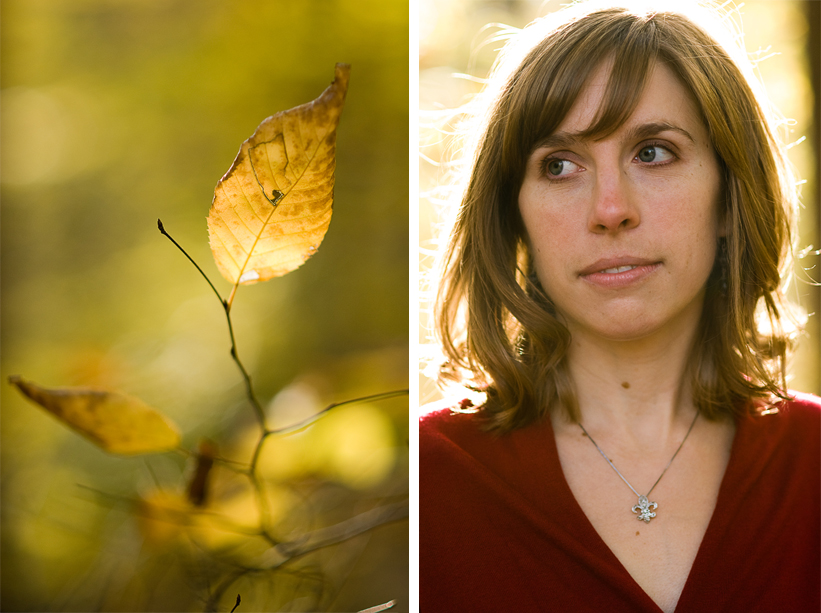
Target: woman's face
[{"x": 623, "y": 230}]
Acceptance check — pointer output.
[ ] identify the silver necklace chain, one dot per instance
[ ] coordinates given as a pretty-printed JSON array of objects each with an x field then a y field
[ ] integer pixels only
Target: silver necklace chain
[{"x": 645, "y": 508}]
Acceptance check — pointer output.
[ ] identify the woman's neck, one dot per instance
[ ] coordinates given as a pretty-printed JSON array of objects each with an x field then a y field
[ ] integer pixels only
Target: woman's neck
[{"x": 638, "y": 388}]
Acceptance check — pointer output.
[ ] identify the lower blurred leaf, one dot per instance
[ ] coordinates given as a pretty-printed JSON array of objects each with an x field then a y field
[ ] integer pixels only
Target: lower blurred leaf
[{"x": 115, "y": 422}]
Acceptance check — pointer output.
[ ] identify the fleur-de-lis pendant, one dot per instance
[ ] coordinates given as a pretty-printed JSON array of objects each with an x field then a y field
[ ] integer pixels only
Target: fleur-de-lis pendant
[{"x": 645, "y": 509}]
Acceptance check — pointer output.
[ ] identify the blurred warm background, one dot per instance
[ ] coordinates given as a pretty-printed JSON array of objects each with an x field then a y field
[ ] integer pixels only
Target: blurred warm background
[
  {"x": 119, "y": 112},
  {"x": 455, "y": 53}
]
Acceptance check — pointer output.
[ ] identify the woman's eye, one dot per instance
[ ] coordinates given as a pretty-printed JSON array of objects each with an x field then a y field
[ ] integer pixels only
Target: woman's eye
[
  {"x": 555, "y": 167},
  {"x": 654, "y": 153}
]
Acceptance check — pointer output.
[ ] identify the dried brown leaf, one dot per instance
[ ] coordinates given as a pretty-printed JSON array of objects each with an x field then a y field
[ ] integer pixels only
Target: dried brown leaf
[
  {"x": 272, "y": 208},
  {"x": 116, "y": 422}
]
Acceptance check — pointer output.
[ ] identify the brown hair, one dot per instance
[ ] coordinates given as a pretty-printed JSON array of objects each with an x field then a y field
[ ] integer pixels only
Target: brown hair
[{"x": 497, "y": 327}]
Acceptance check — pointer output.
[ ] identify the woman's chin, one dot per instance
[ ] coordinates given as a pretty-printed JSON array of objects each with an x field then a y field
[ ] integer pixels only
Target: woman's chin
[
  {"x": 619, "y": 327},
  {"x": 635, "y": 325},
  {"x": 623, "y": 333},
  {"x": 635, "y": 318}
]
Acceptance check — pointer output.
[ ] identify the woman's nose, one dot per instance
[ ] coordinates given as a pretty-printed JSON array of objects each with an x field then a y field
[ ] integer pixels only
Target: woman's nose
[{"x": 613, "y": 208}]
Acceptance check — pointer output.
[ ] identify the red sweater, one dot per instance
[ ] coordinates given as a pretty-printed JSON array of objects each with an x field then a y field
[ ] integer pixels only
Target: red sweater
[{"x": 501, "y": 531}]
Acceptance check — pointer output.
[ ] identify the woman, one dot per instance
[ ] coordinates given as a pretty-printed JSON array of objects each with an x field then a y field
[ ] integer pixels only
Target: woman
[{"x": 628, "y": 209}]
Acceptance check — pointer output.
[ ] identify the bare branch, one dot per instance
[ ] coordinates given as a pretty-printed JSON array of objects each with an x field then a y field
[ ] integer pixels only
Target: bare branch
[
  {"x": 226, "y": 306},
  {"x": 380, "y": 607},
  {"x": 308, "y": 421},
  {"x": 331, "y": 535}
]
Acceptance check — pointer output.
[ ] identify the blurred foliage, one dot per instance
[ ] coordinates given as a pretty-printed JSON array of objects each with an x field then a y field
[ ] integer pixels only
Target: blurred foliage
[
  {"x": 117, "y": 423},
  {"x": 115, "y": 113},
  {"x": 456, "y": 51}
]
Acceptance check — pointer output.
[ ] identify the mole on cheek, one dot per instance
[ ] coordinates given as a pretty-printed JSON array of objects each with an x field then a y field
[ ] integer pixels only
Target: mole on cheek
[{"x": 626, "y": 385}]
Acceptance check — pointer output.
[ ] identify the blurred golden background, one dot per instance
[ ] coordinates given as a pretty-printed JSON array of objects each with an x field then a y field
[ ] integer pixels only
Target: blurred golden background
[
  {"x": 455, "y": 53},
  {"x": 119, "y": 112}
]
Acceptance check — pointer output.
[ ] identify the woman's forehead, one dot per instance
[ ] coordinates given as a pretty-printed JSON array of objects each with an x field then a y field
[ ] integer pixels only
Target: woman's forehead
[{"x": 663, "y": 100}]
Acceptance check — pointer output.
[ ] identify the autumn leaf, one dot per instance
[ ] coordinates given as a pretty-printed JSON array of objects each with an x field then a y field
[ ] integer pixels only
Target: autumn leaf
[
  {"x": 116, "y": 422},
  {"x": 272, "y": 208}
]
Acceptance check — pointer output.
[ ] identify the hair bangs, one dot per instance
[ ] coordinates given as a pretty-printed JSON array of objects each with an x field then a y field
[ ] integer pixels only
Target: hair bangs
[
  {"x": 629, "y": 70},
  {"x": 556, "y": 80}
]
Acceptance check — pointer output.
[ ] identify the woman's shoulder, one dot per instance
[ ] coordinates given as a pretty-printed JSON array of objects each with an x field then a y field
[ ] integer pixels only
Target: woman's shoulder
[
  {"x": 808, "y": 404},
  {"x": 799, "y": 410},
  {"x": 803, "y": 412},
  {"x": 456, "y": 431},
  {"x": 448, "y": 418},
  {"x": 796, "y": 420}
]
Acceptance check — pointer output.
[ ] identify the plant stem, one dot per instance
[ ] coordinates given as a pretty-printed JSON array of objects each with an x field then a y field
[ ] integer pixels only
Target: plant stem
[
  {"x": 266, "y": 432},
  {"x": 321, "y": 538},
  {"x": 301, "y": 425},
  {"x": 381, "y": 607},
  {"x": 249, "y": 392},
  {"x": 287, "y": 552},
  {"x": 239, "y": 600},
  {"x": 249, "y": 388},
  {"x": 308, "y": 421},
  {"x": 226, "y": 306},
  {"x": 230, "y": 301},
  {"x": 168, "y": 236}
]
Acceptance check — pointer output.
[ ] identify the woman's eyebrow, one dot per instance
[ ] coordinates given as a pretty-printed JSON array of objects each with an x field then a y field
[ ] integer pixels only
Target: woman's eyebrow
[
  {"x": 567, "y": 140},
  {"x": 560, "y": 140},
  {"x": 647, "y": 130}
]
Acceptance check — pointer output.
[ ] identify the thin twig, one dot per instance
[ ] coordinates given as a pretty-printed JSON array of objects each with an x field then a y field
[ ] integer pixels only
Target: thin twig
[
  {"x": 226, "y": 306},
  {"x": 332, "y": 535},
  {"x": 307, "y": 422},
  {"x": 249, "y": 388},
  {"x": 301, "y": 425},
  {"x": 230, "y": 301},
  {"x": 264, "y": 507},
  {"x": 168, "y": 236},
  {"x": 249, "y": 392},
  {"x": 257, "y": 451},
  {"x": 380, "y": 607}
]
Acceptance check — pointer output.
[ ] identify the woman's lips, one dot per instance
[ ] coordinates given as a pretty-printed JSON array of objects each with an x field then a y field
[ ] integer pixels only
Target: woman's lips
[{"x": 618, "y": 273}]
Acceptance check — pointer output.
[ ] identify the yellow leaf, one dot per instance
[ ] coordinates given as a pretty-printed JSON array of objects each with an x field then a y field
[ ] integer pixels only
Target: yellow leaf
[
  {"x": 118, "y": 423},
  {"x": 272, "y": 208}
]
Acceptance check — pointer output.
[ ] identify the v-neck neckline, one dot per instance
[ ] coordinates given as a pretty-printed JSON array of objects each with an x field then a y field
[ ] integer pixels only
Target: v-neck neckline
[{"x": 712, "y": 525}]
